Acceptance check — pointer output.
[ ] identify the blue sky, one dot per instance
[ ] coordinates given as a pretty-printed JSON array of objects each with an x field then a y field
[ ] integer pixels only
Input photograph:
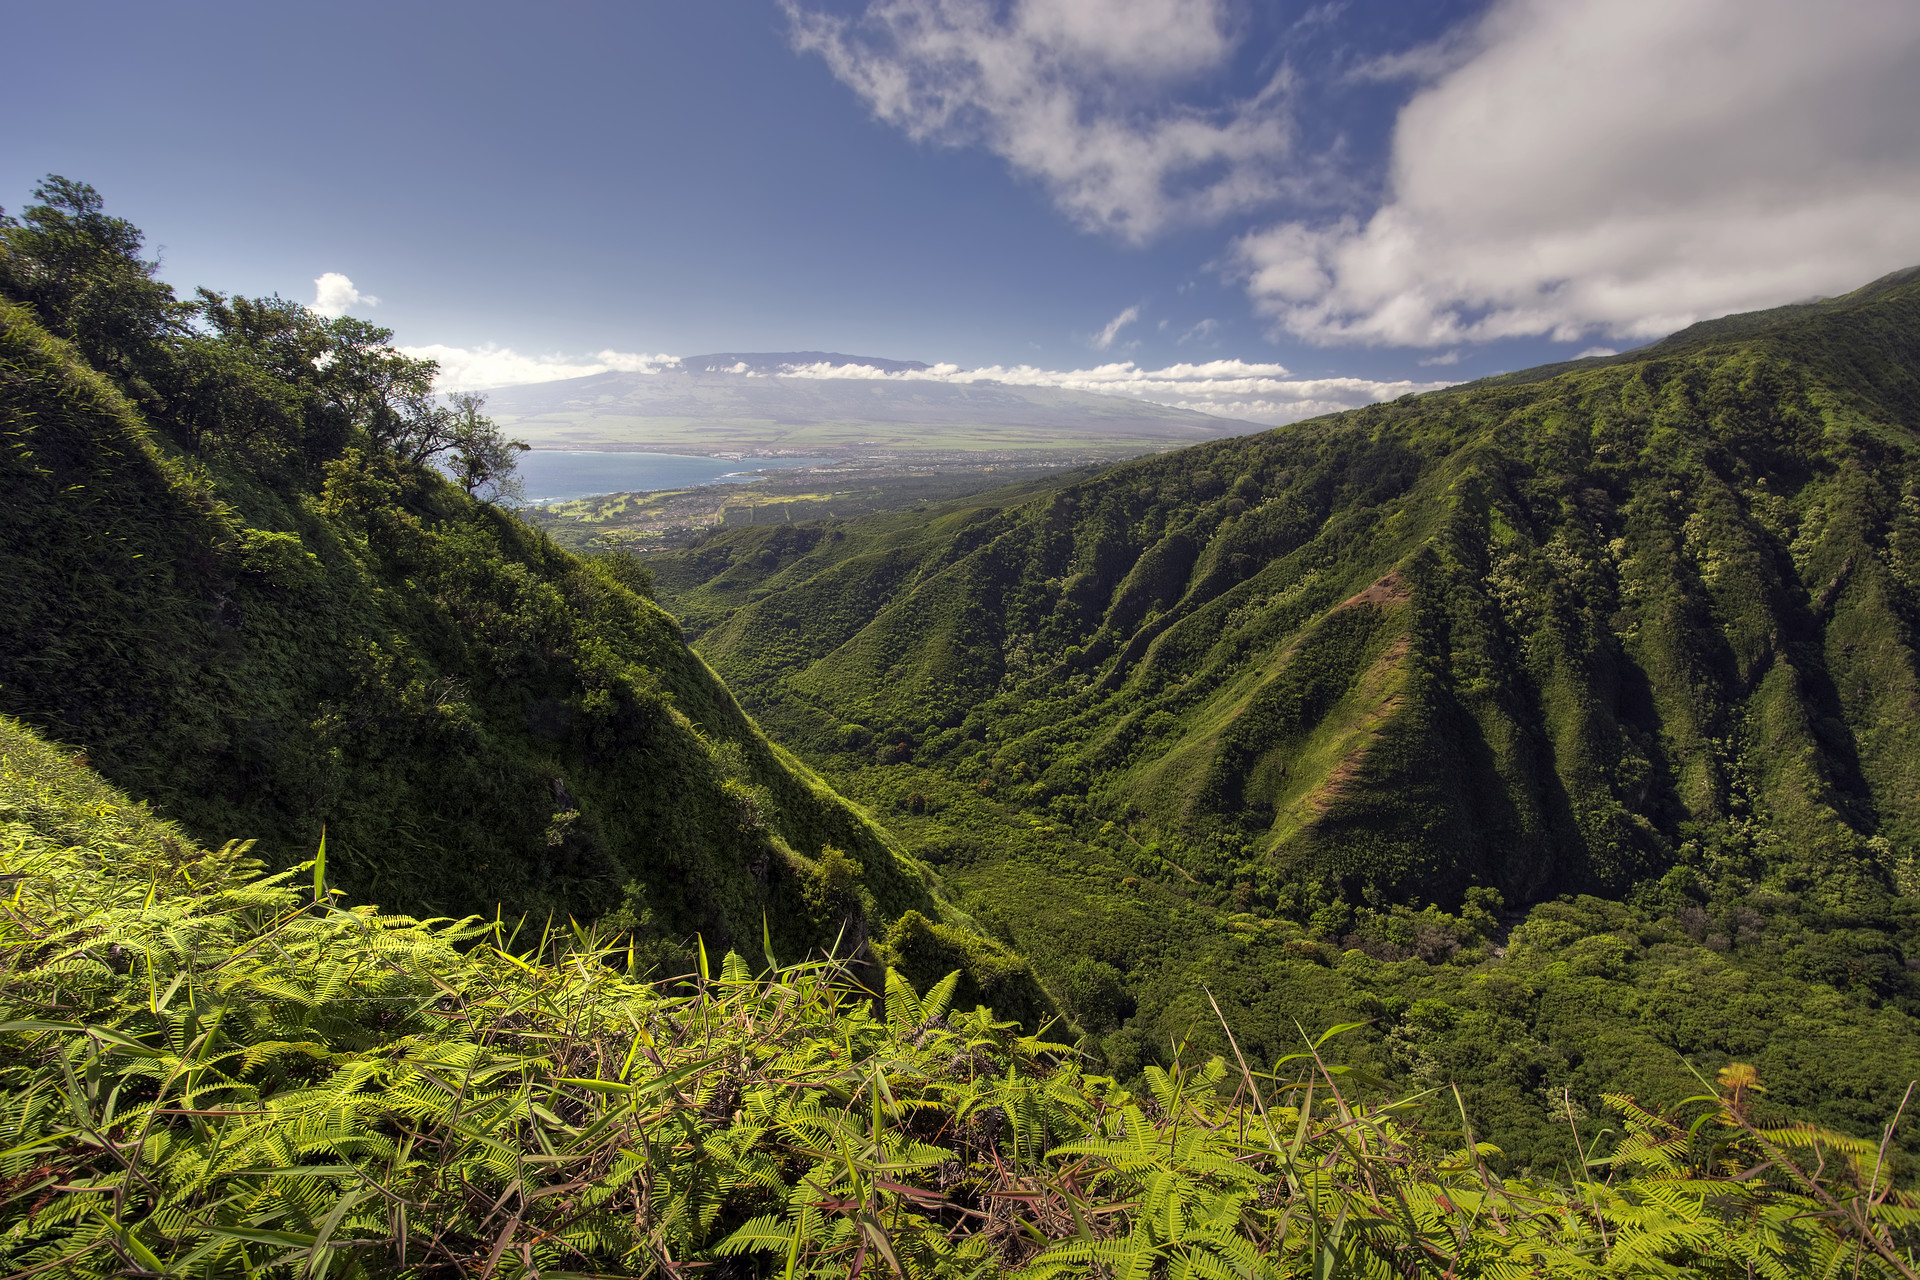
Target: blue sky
[{"x": 1390, "y": 193}]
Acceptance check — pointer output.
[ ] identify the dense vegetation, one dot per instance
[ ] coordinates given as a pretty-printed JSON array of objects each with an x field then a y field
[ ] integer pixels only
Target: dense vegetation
[
  {"x": 1543, "y": 735},
  {"x": 211, "y": 1073},
  {"x": 236, "y": 584},
  {"x": 1564, "y": 726}
]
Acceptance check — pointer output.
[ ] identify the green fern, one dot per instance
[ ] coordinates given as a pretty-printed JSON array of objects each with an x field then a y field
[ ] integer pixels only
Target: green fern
[{"x": 206, "y": 1071}]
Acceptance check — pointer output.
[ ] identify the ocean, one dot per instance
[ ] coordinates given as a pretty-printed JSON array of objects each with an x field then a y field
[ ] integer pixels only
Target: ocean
[{"x": 561, "y": 475}]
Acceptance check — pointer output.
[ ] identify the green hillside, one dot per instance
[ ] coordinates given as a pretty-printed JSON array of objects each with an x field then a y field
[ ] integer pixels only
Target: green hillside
[
  {"x": 210, "y": 1072},
  {"x": 1315, "y": 716},
  {"x": 234, "y": 586},
  {"x": 1548, "y": 740}
]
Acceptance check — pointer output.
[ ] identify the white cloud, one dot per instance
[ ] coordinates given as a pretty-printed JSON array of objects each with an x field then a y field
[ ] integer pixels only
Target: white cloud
[
  {"x": 1082, "y": 95},
  {"x": 476, "y": 368},
  {"x": 1256, "y": 392},
  {"x": 1588, "y": 354},
  {"x": 1200, "y": 332},
  {"x": 334, "y": 295},
  {"x": 1450, "y": 357},
  {"x": 1622, "y": 167},
  {"x": 1104, "y": 339},
  {"x": 1230, "y": 388}
]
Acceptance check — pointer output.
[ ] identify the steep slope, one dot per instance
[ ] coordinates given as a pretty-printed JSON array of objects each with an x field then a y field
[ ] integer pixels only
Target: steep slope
[
  {"x": 1544, "y": 636},
  {"x": 1307, "y": 721},
  {"x": 478, "y": 720}
]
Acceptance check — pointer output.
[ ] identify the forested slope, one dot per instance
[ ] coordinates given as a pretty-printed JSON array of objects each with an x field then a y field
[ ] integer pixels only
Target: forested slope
[
  {"x": 234, "y": 585},
  {"x": 1544, "y": 637},
  {"x": 1315, "y": 715}
]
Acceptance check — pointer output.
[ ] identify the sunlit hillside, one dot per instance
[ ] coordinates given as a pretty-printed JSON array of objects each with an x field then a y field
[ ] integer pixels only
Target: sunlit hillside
[{"x": 1316, "y": 717}]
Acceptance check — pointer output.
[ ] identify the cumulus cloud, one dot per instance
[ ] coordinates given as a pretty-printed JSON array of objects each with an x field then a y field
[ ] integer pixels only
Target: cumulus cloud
[
  {"x": 1229, "y": 388},
  {"x": 1082, "y": 95},
  {"x": 477, "y": 368},
  {"x": 1104, "y": 339},
  {"x": 334, "y": 295},
  {"x": 1621, "y": 168}
]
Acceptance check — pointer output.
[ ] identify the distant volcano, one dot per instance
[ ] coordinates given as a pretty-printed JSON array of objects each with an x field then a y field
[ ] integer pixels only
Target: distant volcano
[{"x": 763, "y": 402}]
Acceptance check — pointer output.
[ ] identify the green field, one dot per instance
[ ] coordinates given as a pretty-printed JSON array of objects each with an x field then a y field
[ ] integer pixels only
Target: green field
[{"x": 648, "y": 523}]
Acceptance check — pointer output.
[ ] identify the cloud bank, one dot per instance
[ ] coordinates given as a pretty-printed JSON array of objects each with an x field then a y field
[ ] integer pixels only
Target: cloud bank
[
  {"x": 1229, "y": 388},
  {"x": 1622, "y": 168},
  {"x": 1081, "y": 95},
  {"x": 478, "y": 368}
]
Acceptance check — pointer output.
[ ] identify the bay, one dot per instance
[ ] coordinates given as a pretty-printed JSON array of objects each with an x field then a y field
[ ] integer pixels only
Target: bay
[{"x": 562, "y": 475}]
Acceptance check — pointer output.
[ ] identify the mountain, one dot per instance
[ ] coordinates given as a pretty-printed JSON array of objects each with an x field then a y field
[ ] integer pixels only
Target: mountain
[
  {"x": 1291, "y": 712},
  {"x": 713, "y": 404},
  {"x": 1577, "y": 618},
  {"x": 235, "y": 591},
  {"x": 239, "y": 600}
]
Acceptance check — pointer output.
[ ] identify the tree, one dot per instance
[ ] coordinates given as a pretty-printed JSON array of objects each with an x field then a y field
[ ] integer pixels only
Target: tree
[
  {"x": 82, "y": 272},
  {"x": 484, "y": 460},
  {"x": 387, "y": 394},
  {"x": 265, "y": 378},
  {"x": 327, "y": 376},
  {"x": 260, "y": 368},
  {"x": 252, "y": 377}
]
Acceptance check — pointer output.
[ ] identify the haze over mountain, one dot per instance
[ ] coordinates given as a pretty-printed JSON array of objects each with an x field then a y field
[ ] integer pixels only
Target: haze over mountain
[
  {"x": 812, "y": 401},
  {"x": 785, "y": 361}
]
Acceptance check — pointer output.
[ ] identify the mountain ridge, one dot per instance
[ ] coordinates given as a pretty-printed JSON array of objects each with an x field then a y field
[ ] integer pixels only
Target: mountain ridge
[
  {"x": 236, "y": 588},
  {"x": 1623, "y": 658},
  {"x": 1554, "y": 740},
  {"x": 1112, "y": 647},
  {"x": 1744, "y": 324}
]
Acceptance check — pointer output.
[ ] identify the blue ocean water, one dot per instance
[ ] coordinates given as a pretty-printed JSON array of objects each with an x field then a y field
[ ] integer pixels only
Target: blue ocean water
[{"x": 561, "y": 475}]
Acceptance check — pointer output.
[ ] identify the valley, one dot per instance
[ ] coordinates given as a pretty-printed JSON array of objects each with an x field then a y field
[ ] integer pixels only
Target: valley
[
  {"x": 1560, "y": 728},
  {"x": 1402, "y": 842},
  {"x": 669, "y": 518}
]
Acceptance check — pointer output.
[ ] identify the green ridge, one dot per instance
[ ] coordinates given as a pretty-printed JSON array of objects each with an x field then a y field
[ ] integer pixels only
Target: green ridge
[
  {"x": 244, "y": 603},
  {"x": 1641, "y": 630},
  {"x": 1553, "y": 736}
]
